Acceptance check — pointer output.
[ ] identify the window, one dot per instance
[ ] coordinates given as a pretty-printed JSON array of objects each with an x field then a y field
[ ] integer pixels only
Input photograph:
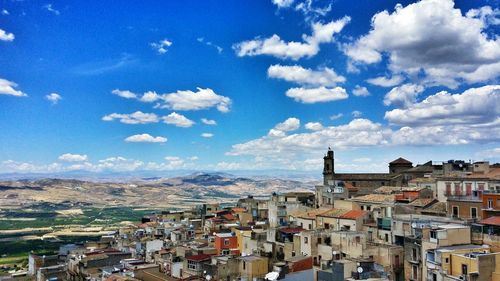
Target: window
[
  {"x": 490, "y": 203},
  {"x": 468, "y": 189},
  {"x": 455, "y": 211},
  {"x": 368, "y": 208},
  {"x": 457, "y": 189},
  {"x": 415, "y": 272},
  {"x": 433, "y": 234},
  {"x": 464, "y": 269},
  {"x": 225, "y": 252},
  {"x": 358, "y": 239},
  {"x": 473, "y": 213},
  {"x": 414, "y": 254},
  {"x": 354, "y": 183},
  {"x": 434, "y": 277},
  {"x": 386, "y": 237},
  {"x": 448, "y": 189},
  {"x": 192, "y": 265},
  {"x": 306, "y": 240},
  {"x": 327, "y": 226},
  {"x": 362, "y": 208},
  {"x": 310, "y": 226},
  {"x": 319, "y": 240},
  {"x": 446, "y": 260},
  {"x": 226, "y": 242},
  {"x": 244, "y": 265}
]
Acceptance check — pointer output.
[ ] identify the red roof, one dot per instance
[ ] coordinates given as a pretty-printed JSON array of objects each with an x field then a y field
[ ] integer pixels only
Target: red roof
[
  {"x": 491, "y": 221},
  {"x": 229, "y": 217},
  {"x": 354, "y": 214},
  {"x": 201, "y": 257},
  {"x": 291, "y": 230}
]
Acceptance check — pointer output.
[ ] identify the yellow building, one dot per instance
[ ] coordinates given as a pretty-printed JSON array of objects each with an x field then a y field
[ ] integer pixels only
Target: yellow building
[
  {"x": 253, "y": 267},
  {"x": 475, "y": 266},
  {"x": 240, "y": 232}
]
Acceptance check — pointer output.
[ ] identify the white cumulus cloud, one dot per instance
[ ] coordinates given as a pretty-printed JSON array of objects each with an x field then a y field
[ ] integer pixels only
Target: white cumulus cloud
[
  {"x": 360, "y": 91},
  {"x": 477, "y": 107},
  {"x": 434, "y": 38},
  {"x": 403, "y": 96},
  {"x": 201, "y": 99},
  {"x": 145, "y": 138},
  {"x": 304, "y": 76},
  {"x": 314, "y": 95},
  {"x": 161, "y": 46},
  {"x": 277, "y": 47},
  {"x": 54, "y": 98},
  {"x": 8, "y": 88},
  {"x": 383, "y": 81},
  {"x": 137, "y": 117},
  {"x": 208, "y": 121},
  {"x": 124, "y": 94},
  {"x": 68, "y": 157},
  {"x": 178, "y": 120},
  {"x": 283, "y": 3},
  {"x": 207, "y": 135},
  {"x": 314, "y": 126},
  {"x": 5, "y": 36}
]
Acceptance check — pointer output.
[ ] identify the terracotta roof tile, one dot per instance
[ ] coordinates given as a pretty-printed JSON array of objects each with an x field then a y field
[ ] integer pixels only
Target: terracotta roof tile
[
  {"x": 376, "y": 198},
  {"x": 422, "y": 202},
  {"x": 291, "y": 230},
  {"x": 354, "y": 214},
  {"x": 491, "y": 221},
  {"x": 201, "y": 257},
  {"x": 334, "y": 213}
]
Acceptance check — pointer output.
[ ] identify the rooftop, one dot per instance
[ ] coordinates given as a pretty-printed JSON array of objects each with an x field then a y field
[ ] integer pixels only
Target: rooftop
[
  {"x": 224, "y": 235},
  {"x": 250, "y": 258},
  {"x": 491, "y": 221},
  {"x": 334, "y": 213},
  {"x": 198, "y": 258},
  {"x": 354, "y": 214},
  {"x": 375, "y": 198},
  {"x": 400, "y": 160},
  {"x": 421, "y": 202},
  {"x": 311, "y": 214},
  {"x": 291, "y": 230}
]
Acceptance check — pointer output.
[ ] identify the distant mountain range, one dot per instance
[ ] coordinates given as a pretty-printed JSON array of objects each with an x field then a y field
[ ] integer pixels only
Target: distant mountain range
[
  {"x": 178, "y": 191},
  {"x": 152, "y": 175}
]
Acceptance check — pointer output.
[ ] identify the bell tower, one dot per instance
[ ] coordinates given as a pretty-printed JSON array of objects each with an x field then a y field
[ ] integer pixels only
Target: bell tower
[{"x": 328, "y": 168}]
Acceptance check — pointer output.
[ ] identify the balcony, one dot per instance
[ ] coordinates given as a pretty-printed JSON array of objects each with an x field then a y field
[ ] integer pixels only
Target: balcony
[{"x": 384, "y": 223}]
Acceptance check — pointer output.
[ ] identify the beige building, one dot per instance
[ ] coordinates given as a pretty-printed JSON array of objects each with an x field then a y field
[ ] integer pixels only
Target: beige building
[
  {"x": 474, "y": 267},
  {"x": 253, "y": 267}
]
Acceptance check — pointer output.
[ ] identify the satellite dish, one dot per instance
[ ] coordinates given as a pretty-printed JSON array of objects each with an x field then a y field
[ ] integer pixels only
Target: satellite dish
[
  {"x": 208, "y": 277},
  {"x": 360, "y": 269},
  {"x": 334, "y": 253},
  {"x": 329, "y": 190},
  {"x": 272, "y": 276},
  {"x": 413, "y": 225}
]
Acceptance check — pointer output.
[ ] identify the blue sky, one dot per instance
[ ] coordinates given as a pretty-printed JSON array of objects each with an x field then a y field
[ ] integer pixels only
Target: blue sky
[{"x": 256, "y": 85}]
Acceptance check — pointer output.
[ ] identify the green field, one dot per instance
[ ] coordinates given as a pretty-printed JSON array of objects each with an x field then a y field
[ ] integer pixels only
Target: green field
[
  {"x": 46, "y": 216},
  {"x": 91, "y": 216}
]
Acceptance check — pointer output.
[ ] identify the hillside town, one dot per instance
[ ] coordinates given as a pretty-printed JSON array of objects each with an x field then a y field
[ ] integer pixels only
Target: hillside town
[{"x": 434, "y": 221}]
